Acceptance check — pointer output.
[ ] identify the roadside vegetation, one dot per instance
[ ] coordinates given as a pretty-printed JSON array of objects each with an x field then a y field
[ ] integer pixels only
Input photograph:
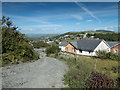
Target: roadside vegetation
[
  {"x": 90, "y": 72},
  {"x": 53, "y": 49},
  {"x": 39, "y": 44},
  {"x": 15, "y": 47}
]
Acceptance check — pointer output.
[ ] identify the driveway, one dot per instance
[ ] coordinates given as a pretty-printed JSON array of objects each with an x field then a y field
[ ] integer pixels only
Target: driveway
[{"x": 43, "y": 73}]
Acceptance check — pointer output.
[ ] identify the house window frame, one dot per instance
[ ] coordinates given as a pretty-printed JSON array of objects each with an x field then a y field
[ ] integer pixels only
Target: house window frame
[
  {"x": 80, "y": 51},
  {"x": 73, "y": 50},
  {"x": 67, "y": 49},
  {"x": 116, "y": 51},
  {"x": 108, "y": 50}
]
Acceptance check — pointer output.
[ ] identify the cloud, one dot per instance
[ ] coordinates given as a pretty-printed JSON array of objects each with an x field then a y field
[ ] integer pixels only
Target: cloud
[
  {"x": 111, "y": 28},
  {"x": 77, "y": 17},
  {"x": 29, "y": 30},
  {"x": 54, "y": 25},
  {"x": 38, "y": 19},
  {"x": 78, "y": 23},
  {"x": 89, "y": 20},
  {"x": 40, "y": 26},
  {"x": 87, "y": 11}
]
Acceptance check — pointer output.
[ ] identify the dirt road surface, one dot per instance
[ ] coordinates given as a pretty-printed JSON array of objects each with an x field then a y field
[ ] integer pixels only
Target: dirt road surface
[{"x": 44, "y": 73}]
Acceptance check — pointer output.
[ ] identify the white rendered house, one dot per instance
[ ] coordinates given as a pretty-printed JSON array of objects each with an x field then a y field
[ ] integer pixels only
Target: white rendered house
[{"x": 85, "y": 47}]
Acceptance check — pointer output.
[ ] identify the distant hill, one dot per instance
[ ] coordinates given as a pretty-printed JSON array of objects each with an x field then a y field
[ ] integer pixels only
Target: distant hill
[
  {"x": 40, "y": 36},
  {"x": 103, "y": 31},
  {"x": 90, "y": 32},
  {"x": 101, "y": 34}
]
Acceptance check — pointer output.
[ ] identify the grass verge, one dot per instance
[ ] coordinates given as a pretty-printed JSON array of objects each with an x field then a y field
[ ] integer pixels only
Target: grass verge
[{"x": 80, "y": 68}]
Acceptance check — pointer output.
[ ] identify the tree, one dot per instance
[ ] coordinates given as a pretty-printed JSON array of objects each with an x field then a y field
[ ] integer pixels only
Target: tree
[
  {"x": 39, "y": 44},
  {"x": 15, "y": 45},
  {"x": 54, "y": 49}
]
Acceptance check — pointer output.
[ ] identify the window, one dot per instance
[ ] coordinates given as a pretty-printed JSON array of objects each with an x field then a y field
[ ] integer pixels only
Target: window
[
  {"x": 116, "y": 51},
  {"x": 80, "y": 51},
  {"x": 107, "y": 49},
  {"x": 66, "y": 48},
  {"x": 73, "y": 50}
]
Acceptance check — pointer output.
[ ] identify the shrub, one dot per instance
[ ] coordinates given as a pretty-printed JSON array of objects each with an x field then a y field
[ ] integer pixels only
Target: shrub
[
  {"x": 54, "y": 49},
  {"x": 101, "y": 54},
  {"x": 40, "y": 44},
  {"x": 118, "y": 82},
  {"x": 114, "y": 69},
  {"x": 15, "y": 46},
  {"x": 78, "y": 73},
  {"x": 105, "y": 55},
  {"x": 98, "y": 80}
]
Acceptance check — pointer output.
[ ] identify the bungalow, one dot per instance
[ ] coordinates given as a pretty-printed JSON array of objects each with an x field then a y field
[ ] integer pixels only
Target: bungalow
[
  {"x": 114, "y": 47},
  {"x": 62, "y": 45},
  {"x": 85, "y": 47}
]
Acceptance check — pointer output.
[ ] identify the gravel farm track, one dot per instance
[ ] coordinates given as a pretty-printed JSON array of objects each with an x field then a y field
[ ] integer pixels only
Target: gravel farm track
[{"x": 44, "y": 73}]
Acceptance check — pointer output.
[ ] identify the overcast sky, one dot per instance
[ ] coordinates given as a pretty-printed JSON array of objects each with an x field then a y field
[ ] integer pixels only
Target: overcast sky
[{"x": 61, "y": 17}]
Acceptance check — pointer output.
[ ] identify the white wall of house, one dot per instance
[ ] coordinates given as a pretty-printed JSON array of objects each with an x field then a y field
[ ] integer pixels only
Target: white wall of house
[
  {"x": 62, "y": 48},
  {"x": 102, "y": 46},
  {"x": 85, "y": 53}
]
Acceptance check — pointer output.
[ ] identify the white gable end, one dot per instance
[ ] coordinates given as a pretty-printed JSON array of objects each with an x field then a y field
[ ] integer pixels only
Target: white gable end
[{"x": 102, "y": 47}]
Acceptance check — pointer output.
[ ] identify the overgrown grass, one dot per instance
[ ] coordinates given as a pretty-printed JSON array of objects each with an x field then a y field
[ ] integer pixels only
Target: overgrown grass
[
  {"x": 79, "y": 71},
  {"x": 80, "y": 68},
  {"x": 105, "y": 66}
]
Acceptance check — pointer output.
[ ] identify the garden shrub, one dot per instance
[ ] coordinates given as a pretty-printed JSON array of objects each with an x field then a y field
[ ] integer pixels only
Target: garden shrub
[
  {"x": 109, "y": 55},
  {"x": 54, "y": 49},
  {"x": 98, "y": 80},
  {"x": 101, "y": 54}
]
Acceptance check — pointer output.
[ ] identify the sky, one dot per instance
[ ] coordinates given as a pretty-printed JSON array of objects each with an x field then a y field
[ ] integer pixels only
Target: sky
[{"x": 62, "y": 17}]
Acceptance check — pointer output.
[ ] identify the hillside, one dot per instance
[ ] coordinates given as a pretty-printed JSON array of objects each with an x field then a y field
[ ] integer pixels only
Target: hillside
[
  {"x": 100, "y": 34},
  {"x": 40, "y": 36},
  {"x": 103, "y": 31}
]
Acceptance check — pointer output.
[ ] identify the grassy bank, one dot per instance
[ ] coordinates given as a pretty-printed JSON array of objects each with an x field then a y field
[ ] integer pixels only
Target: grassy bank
[{"x": 81, "y": 67}]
